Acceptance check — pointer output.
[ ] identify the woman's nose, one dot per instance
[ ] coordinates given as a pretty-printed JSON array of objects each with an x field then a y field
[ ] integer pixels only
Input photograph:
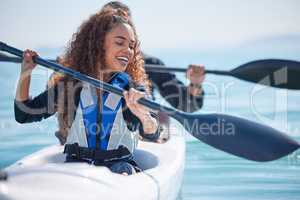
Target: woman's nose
[{"x": 129, "y": 51}]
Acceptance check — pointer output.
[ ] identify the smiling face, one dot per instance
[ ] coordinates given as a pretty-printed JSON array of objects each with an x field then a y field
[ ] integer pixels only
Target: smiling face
[{"x": 119, "y": 47}]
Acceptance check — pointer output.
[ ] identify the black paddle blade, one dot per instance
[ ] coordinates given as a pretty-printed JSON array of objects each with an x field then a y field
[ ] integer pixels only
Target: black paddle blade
[
  {"x": 271, "y": 72},
  {"x": 239, "y": 136}
]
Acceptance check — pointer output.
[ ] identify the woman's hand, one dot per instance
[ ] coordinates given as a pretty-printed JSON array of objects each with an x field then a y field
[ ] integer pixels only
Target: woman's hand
[
  {"x": 142, "y": 112},
  {"x": 131, "y": 98},
  {"x": 22, "y": 92},
  {"x": 28, "y": 65}
]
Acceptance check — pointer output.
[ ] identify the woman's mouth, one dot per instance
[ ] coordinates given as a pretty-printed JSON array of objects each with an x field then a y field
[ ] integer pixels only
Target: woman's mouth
[{"x": 123, "y": 60}]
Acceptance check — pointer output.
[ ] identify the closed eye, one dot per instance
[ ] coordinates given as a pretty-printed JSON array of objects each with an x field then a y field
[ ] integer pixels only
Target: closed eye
[
  {"x": 121, "y": 40},
  {"x": 120, "y": 43}
]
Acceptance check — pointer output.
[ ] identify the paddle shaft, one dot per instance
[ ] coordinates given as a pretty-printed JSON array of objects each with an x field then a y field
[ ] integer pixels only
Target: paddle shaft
[
  {"x": 82, "y": 77},
  {"x": 149, "y": 67},
  {"x": 277, "y": 73},
  {"x": 163, "y": 68},
  {"x": 12, "y": 59}
]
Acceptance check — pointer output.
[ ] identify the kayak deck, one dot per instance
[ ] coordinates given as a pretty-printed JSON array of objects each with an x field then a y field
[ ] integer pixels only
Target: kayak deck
[{"x": 44, "y": 175}]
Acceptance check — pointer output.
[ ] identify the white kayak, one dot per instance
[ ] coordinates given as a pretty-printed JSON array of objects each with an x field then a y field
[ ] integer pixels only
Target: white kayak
[{"x": 44, "y": 175}]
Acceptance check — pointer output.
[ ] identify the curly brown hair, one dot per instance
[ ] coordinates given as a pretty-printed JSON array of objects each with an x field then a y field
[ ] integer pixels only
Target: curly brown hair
[{"x": 86, "y": 54}]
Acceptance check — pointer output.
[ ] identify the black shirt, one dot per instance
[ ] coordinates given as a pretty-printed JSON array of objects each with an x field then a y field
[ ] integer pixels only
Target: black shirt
[
  {"x": 45, "y": 105},
  {"x": 172, "y": 89}
]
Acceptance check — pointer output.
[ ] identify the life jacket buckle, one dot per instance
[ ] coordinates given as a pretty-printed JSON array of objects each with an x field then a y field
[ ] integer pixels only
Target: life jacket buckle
[{"x": 73, "y": 151}]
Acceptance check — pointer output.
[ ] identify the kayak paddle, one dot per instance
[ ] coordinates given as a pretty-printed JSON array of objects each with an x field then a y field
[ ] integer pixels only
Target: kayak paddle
[
  {"x": 231, "y": 134},
  {"x": 271, "y": 72},
  {"x": 277, "y": 73}
]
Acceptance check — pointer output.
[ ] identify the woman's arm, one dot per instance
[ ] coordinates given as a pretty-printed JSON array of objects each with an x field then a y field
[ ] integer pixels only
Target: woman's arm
[
  {"x": 38, "y": 108},
  {"x": 149, "y": 123},
  {"x": 30, "y": 110},
  {"x": 22, "y": 92}
]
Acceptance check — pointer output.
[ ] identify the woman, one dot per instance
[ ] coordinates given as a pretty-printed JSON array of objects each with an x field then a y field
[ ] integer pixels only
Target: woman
[
  {"x": 186, "y": 98},
  {"x": 101, "y": 126}
]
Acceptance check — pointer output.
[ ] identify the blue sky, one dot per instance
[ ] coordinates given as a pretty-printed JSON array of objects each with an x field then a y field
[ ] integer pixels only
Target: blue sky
[{"x": 169, "y": 25}]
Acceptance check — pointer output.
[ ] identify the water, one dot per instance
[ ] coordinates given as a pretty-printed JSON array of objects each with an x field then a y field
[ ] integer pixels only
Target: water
[{"x": 209, "y": 173}]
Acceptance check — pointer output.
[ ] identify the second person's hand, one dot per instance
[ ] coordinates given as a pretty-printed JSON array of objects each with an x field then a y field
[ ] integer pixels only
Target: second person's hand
[{"x": 196, "y": 74}]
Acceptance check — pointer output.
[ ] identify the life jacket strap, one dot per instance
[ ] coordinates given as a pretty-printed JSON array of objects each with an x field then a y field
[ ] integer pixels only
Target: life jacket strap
[{"x": 75, "y": 152}]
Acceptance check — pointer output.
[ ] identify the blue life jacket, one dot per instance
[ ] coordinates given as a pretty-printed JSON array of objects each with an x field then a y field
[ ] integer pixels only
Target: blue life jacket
[{"x": 99, "y": 125}]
